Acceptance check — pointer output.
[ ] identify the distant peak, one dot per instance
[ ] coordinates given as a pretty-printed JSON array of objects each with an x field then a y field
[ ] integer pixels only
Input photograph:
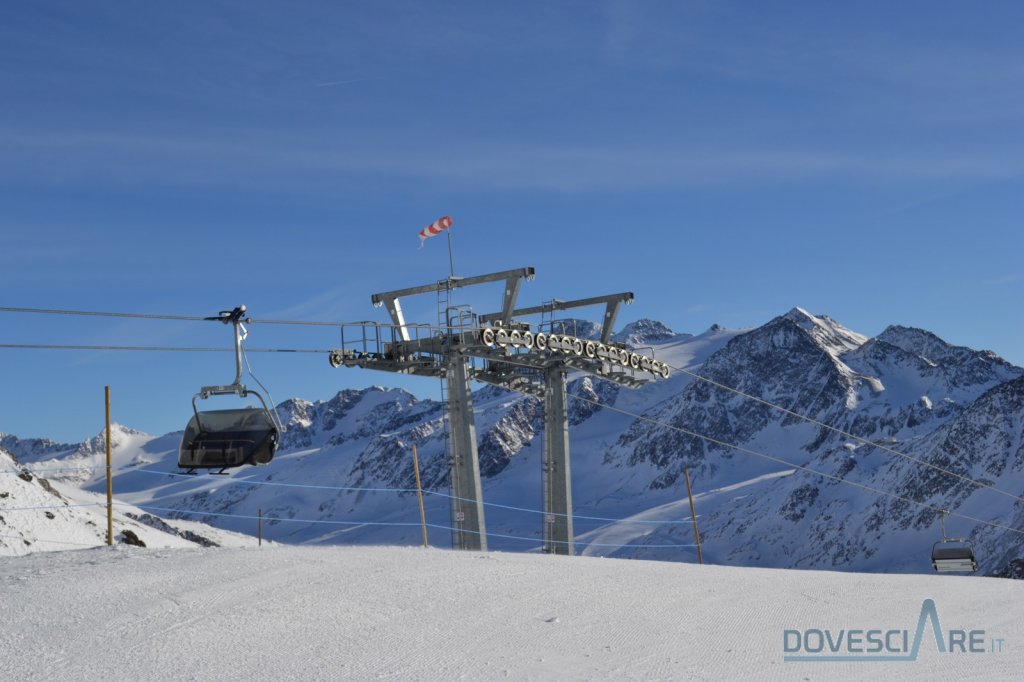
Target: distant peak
[
  {"x": 353, "y": 394},
  {"x": 584, "y": 329},
  {"x": 897, "y": 332},
  {"x": 294, "y": 402},
  {"x": 826, "y": 332},
  {"x": 117, "y": 429},
  {"x": 643, "y": 332},
  {"x": 931, "y": 347},
  {"x": 117, "y": 426}
]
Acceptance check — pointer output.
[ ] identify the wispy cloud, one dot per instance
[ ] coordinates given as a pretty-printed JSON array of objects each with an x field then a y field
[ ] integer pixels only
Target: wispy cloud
[
  {"x": 329, "y": 84},
  {"x": 1004, "y": 280},
  {"x": 880, "y": 75},
  {"x": 623, "y": 28},
  {"x": 261, "y": 159},
  {"x": 335, "y": 303}
]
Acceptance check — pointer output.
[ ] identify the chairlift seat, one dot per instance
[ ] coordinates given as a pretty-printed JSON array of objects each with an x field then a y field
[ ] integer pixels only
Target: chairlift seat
[
  {"x": 954, "y": 556},
  {"x": 219, "y": 439}
]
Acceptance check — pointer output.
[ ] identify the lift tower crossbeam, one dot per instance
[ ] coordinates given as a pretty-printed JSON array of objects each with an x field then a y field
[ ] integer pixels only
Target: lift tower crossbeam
[
  {"x": 613, "y": 303},
  {"x": 513, "y": 280}
]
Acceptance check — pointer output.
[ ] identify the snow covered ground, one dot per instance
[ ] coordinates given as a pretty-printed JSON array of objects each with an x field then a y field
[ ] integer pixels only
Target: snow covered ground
[
  {"x": 37, "y": 515},
  {"x": 306, "y": 613}
]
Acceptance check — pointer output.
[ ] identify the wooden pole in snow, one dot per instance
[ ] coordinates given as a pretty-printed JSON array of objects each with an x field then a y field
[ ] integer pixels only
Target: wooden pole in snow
[
  {"x": 419, "y": 493},
  {"x": 693, "y": 515},
  {"x": 110, "y": 483}
]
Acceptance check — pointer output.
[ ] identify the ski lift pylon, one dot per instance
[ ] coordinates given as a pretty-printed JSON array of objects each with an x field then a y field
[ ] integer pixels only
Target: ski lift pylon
[{"x": 223, "y": 439}]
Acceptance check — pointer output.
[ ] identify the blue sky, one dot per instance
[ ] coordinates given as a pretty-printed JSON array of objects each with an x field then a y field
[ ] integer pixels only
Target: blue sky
[{"x": 724, "y": 161}]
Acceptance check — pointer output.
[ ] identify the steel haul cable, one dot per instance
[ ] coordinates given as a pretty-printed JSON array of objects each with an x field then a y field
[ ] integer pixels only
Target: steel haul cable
[
  {"x": 186, "y": 318},
  {"x": 415, "y": 524},
  {"x": 435, "y": 493},
  {"x": 43, "y": 346},
  {"x": 251, "y": 517},
  {"x": 92, "y": 313}
]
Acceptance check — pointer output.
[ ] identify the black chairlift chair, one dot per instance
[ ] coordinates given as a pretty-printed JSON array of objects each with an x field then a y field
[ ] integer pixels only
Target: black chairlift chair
[
  {"x": 222, "y": 439},
  {"x": 953, "y": 555}
]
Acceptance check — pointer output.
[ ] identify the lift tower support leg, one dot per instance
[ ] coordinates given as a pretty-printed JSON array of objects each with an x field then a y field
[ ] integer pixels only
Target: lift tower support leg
[
  {"x": 558, "y": 533},
  {"x": 467, "y": 498}
]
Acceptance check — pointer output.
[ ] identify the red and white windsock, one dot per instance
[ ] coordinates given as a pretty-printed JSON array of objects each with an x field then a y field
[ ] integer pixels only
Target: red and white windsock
[{"x": 435, "y": 228}]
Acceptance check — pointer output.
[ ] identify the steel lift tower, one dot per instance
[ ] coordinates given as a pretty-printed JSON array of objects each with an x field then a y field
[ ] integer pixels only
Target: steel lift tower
[
  {"x": 467, "y": 498},
  {"x": 509, "y": 354}
]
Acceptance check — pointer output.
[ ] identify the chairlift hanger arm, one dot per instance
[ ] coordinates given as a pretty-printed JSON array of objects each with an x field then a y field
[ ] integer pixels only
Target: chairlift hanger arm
[
  {"x": 613, "y": 303},
  {"x": 234, "y": 317},
  {"x": 513, "y": 280},
  {"x": 231, "y": 316}
]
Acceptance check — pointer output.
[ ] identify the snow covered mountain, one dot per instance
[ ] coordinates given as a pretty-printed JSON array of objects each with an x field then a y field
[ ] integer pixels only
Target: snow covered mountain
[
  {"x": 879, "y": 410},
  {"x": 39, "y": 515},
  {"x": 905, "y": 390}
]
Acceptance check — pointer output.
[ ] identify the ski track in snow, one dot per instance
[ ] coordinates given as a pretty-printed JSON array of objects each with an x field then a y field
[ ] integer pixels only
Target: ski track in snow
[{"x": 303, "y": 613}]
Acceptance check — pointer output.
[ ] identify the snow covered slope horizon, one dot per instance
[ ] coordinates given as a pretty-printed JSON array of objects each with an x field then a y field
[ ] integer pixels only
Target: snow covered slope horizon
[
  {"x": 344, "y": 471},
  {"x": 306, "y": 613}
]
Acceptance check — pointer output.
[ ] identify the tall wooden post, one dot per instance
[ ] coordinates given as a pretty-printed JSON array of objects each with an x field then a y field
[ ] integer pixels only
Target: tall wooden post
[
  {"x": 110, "y": 483},
  {"x": 693, "y": 515},
  {"x": 419, "y": 493}
]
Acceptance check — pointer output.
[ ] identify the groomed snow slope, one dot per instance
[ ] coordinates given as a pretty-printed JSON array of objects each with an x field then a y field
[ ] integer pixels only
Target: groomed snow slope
[{"x": 316, "y": 613}]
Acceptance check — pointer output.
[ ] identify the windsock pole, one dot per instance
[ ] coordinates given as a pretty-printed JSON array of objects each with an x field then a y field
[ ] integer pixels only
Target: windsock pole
[{"x": 451, "y": 261}]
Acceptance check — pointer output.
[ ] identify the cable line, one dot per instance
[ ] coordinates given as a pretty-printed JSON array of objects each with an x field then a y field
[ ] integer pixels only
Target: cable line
[
  {"x": 435, "y": 493},
  {"x": 187, "y": 318},
  {"x": 817, "y": 422},
  {"x": 53, "y": 542},
  {"x": 93, "y": 313},
  {"x": 48, "y": 346},
  {"x": 310, "y": 323},
  {"x": 58, "y": 506},
  {"x": 416, "y": 524}
]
